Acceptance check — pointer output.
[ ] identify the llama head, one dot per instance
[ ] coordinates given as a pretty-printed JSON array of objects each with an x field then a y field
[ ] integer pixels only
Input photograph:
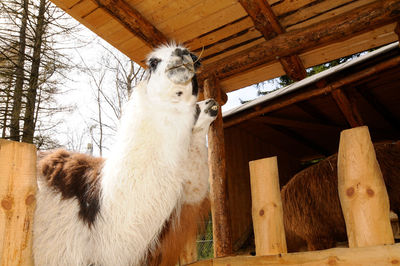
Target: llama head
[
  {"x": 206, "y": 112},
  {"x": 172, "y": 76}
]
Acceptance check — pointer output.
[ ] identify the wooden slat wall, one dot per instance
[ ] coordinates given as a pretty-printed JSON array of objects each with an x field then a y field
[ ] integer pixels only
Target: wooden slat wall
[{"x": 242, "y": 147}]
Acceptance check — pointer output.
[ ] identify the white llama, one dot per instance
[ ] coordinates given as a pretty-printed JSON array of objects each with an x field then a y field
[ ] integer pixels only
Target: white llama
[{"x": 95, "y": 212}]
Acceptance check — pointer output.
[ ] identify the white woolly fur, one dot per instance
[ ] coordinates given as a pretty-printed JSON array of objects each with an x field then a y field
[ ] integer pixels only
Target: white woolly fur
[{"x": 141, "y": 181}]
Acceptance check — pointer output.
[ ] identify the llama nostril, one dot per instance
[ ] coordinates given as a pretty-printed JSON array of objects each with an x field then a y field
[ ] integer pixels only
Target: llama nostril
[{"x": 179, "y": 93}]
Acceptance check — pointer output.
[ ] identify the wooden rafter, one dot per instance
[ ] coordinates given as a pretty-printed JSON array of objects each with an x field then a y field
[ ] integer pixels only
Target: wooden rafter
[
  {"x": 258, "y": 130},
  {"x": 266, "y": 22},
  {"x": 287, "y": 100},
  {"x": 133, "y": 21},
  {"x": 296, "y": 124},
  {"x": 299, "y": 138},
  {"x": 293, "y": 67},
  {"x": 377, "y": 106},
  {"x": 397, "y": 29},
  {"x": 335, "y": 29},
  {"x": 348, "y": 107},
  {"x": 315, "y": 113}
]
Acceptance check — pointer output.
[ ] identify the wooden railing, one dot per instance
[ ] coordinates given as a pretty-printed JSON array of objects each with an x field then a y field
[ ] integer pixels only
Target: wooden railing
[
  {"x": 365, "y": 206},
  {"x": 17, "y": 196}
]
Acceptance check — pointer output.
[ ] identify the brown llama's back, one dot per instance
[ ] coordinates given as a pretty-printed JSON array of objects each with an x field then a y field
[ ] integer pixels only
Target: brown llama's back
[
  {"x": 311, "y": 206},
  {"x": 177, "y": 233}
]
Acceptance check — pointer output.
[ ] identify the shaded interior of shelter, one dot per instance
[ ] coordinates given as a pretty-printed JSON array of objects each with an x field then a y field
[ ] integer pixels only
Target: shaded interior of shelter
[{"x": 307, "y": 130}]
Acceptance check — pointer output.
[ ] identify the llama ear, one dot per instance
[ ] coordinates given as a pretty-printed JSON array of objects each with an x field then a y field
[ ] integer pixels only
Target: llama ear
[
  {"x": 196, "y": 61},
  {"x": 152, "y": 63}
]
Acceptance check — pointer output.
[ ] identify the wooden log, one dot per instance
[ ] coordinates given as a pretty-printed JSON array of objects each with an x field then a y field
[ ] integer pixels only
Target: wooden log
[
  {"x": 293, "y": 67},
  {"x": 335, "y": 29},
  {"x": 367, "y": 256},
  {"x": 268, "y": 24},
  {"x": 397, "y": 30},
  {"x": 362, "y": 191},
  {"x": 287, "y": 100},
  {"x": 17, "y": 195},
  {"x": 348, "y": 108},
  {"x": 267, "y": 212},
  {"x": 133, "y": 21},
  {"x": 218, "y": 185},
  {"x": 269, "y": 29}
]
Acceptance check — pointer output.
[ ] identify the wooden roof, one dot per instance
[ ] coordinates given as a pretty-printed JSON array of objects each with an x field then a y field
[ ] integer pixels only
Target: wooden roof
[{"x": 243, "y": 42}]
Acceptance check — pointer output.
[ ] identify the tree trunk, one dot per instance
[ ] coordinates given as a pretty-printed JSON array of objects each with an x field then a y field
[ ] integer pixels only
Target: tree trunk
[
  {"x": 19, "y": 83},
  {"x": 29, "y": 119},
  {"x": 6, "y": 109}
]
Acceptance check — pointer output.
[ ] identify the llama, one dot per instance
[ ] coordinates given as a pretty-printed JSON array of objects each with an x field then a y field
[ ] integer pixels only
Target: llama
[
  {"x": 311, "y": 207},
  {"x": 92, "y": 211},
  {"x": 183, "y": 225}
]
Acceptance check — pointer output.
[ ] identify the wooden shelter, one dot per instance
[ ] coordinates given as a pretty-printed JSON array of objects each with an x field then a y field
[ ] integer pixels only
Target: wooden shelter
[
  {"x": 303, "y": 121},
  {"x": 243, "y": 42}
]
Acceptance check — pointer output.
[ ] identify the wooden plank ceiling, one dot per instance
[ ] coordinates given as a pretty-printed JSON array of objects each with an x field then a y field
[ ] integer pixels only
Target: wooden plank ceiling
[{"x": 243, "y": 42}]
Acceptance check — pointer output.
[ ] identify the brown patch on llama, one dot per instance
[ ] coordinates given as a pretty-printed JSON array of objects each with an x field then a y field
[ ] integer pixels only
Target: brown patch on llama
[
  {"x": 74, "y": 175},
  {"x": 177, "y": 233}
]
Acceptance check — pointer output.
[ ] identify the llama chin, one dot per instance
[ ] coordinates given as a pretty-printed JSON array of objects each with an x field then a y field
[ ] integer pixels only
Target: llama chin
[{"x": 92, "y": 211}]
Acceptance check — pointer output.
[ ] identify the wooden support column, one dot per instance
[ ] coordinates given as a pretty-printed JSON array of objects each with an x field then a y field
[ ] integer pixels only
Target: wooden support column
[
  {"x": 17, "y": 196},
  {"x": 362, "y": 191},
  {"x": 348, "y": 108},
  {"x": 267, "y": 212},
  {"x": 218, "y": 183}
]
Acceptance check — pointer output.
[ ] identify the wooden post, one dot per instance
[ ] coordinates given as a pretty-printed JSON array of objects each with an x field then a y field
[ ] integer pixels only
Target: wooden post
[
  {"x": 218, "y": 185},
  {"x": 362, "y": 191},
  {"x": 17, "y": 196},
  {"x": 269, "y": 232}
]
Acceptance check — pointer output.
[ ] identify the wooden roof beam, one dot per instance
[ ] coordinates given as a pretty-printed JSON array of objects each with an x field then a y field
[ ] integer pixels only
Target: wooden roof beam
[
  {"x": 133, "y": 21},
  {"x": 299, "y": 138},
  {"x": 377, "y": 106},
  {"x": 296, "y": 124},
  {"x": 315, "y": 113},
  {"x": 261, "y": 128},
  {"x": 266, "y": 22},
  {"x": 348, "y": 108},
  {"x": 286, "y": 100},
  {"x": 397, "y": 30},
  {"x": 335, "y": 29}
]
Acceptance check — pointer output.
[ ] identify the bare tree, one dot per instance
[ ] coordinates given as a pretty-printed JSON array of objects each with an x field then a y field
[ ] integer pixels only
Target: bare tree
[
  {"x": 29, "y": 119},
  {"x": 112, "y": 81},
  {"x": 17, "y": 98},
  {"x": 32, "y": 67}
]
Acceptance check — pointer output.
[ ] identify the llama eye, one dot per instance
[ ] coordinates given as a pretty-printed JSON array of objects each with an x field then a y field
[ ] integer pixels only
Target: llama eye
[{"x": 153, "y": 62}]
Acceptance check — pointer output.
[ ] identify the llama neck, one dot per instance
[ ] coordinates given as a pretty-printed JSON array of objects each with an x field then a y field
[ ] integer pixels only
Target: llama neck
[
  {"x": 141, "y": 184},
  {"x": 154, "y": 136}
]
